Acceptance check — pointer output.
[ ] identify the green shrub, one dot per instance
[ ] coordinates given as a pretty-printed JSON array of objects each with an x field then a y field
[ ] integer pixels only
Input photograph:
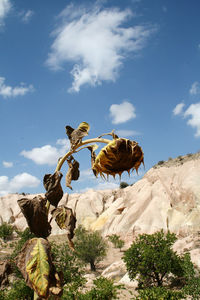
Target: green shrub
[
  {"x": 65, "y": 261},
  {"x": 159, "y": 293},
  {"x": 123, "y": 185},
  {"x": 90, "y": 247},
  {"x": 103, "y": 289},
  {"x": 161, "y": 162},
  {"x": 6, "y": 231},
  {"x": 19, "y": 291},
  {"x": 151, "y": 259},
  {"x": 24, "y": 236},
  {"x": 117, "y": 242}
]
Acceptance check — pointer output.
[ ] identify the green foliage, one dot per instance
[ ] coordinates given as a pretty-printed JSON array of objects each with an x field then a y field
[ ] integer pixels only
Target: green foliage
[
  {"x": 65, "y": 261},
  {"x": 24, "y": 236},
  {"x": 117, "y": 242},
  {"x": 123, "y": 185},
  {"x": 90, "y": 247},
  {"x": 103, "y": 289},
  {"x": 19, "y": 291},
  {"x": 6, "y": 231},
  {"x": 161, "y": 162},
  {"x": 151, "y": 259},
  {"x": 191, "y": 278},
  {"x": 159, "y": 293}
]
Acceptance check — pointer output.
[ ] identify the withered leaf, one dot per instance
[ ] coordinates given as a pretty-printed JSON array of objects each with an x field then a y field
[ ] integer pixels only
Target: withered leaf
[
  {"x": 73, "y": 172},
  {"x": 92, "y": 149},
  {"x": 65, "y": 219},
  {"x": 53, "y": 187},
  {"x": 75, "y": 135},
  {"x": 35, "y": 264},
  {"x": 35, "y": 212}
]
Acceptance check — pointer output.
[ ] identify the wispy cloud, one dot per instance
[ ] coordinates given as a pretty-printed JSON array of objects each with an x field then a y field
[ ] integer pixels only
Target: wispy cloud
[
  {"x": 127, "y": 133},
  {"x": 178, "y": 109},
  {"x": 8, "y": 91},
  {"x": 96, "y": 41},
  {"x": 193, "y": 112},
  {"x": 47, "y": 155},
  {"x": 121, "y": 113},
  {"x": 26, "y": 15},
  {"x": 5, "y": 6},
  {"x": 195, "y": 88},
  {"x": 7, "y": 164},
  {"x": 23, "y": 180}
]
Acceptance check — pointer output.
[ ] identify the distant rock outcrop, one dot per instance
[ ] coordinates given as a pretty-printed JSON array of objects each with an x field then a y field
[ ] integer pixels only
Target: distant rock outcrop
[{"x": 167, "y": 197}]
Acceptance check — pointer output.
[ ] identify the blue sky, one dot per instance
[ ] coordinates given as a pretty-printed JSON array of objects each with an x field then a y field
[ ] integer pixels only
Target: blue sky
[{"x": 128, "y": 65}]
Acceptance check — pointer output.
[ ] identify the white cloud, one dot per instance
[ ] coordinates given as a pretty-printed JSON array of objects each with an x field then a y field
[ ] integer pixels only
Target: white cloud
[
  {"x": 195, "y": 88},
  {"x": 5, "y": 6},
  {"x": 7, "y": 91},
  {"x": 127, "y": 133},
  {"x": 96, "y": 42},
  {"x": 121, "y": 113},
  {"x": 48, "y": 154},
  {"x": 7, "y": 164},
  {"x": 23, "y": 180},
  {"x": 193, "y": 112},
  {"x": 27, "y": 15},
  {"x": 178, "y": 109}
]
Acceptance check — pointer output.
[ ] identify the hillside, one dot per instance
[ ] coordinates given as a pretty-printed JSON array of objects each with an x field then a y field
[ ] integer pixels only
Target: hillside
[{"x": 167, "y": 197}]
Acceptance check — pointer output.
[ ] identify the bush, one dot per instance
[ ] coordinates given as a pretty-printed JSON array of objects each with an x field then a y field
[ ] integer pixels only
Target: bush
[
  {"x": 104, "y": 289},
  {"x": 159, "y": 293},
  {"x": 123, "y": 185},
  {"x": 6, "y": 231},
  {"x": 19, "y": 291},
  {"x": 24, "y": 236},
  {"x": 90, "y": 247},
  {"x": 151, "y": 259},
  {"x": 161, "y": 162},
  {"x": 117, "y": 242},
  {"x": 66, "y": 262}
]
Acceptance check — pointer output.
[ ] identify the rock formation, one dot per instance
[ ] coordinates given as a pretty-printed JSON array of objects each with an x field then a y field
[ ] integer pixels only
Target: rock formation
[{"x": 167, "y": 197}]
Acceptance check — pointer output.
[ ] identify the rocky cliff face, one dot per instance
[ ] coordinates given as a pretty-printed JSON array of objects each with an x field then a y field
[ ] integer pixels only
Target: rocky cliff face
[{"x": 168, "y": 197}]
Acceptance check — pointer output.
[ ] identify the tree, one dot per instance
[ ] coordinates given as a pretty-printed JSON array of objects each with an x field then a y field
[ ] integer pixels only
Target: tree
[
  {"x": 123, "y": 185},
  {"x": 117, "y": 242},
  {"x": 90, "y": 247},
  {"x": 6, "y": 231},
  {"x": 152, "y": 259}
]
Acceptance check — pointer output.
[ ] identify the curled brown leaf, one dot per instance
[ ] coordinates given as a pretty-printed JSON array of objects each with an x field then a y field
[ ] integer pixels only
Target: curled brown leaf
[
  {"x": 65, "y": 219},
  {"x": 73, "y": 172},
  {"x": 53, "y": 187},
  {"x": 35, "y": 212}
]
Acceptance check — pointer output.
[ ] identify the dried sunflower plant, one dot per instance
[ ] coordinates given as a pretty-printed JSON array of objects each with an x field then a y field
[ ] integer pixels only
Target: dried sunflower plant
[{"x": 34, "y": 260}]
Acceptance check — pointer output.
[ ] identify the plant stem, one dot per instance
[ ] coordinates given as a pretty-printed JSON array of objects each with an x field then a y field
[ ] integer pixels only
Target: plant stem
[
  {"x": 63, "y": 159},
  {"x": 95, "y": 140}
]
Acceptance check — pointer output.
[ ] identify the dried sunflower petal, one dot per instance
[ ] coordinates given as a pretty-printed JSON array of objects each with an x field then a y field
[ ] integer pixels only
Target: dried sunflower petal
[{"x": 118, "y": 156}]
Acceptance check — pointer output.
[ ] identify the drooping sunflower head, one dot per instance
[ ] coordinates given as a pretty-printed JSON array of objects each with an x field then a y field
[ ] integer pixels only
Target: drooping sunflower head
[{"x": 118, "y": 156}]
